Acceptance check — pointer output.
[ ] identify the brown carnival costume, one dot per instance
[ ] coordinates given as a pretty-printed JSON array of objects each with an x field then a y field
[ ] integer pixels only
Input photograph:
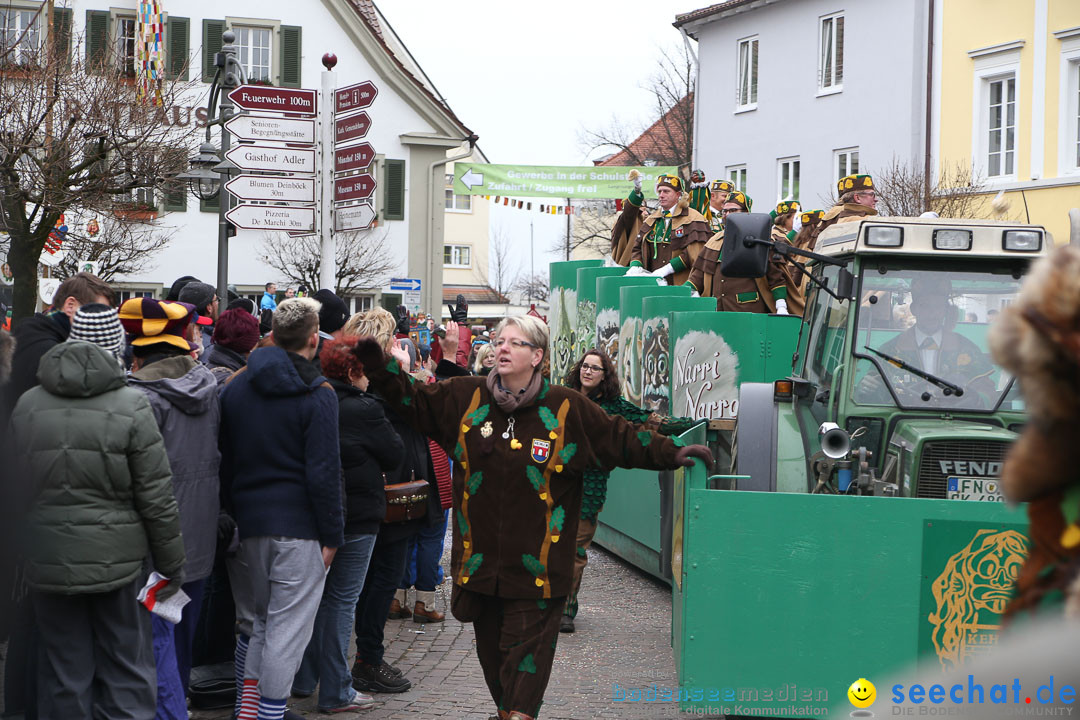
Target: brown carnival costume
[
  {"x": 674, "y": 237},
  {"x": 518, "y": 466},
  {"x": 847, "y": 209},
  {"x": 628, "y": 223}
]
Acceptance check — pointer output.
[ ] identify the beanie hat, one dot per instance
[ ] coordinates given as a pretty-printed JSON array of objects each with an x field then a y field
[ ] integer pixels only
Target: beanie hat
[
  {"x": 333, "y": 313},
  {"x": 178, "y": 285},
  {"x": 152, "y": 321},
  {"x": 812, "y": 216},
  {"x": 198, "y": 294},
  {"x": 237, "y": 330},
  {"x": 784, "y": 207},
  {"x": 246, "y": 304},
  {"x": 852, "y": 183},
  {"x": 98, "y": 324}
]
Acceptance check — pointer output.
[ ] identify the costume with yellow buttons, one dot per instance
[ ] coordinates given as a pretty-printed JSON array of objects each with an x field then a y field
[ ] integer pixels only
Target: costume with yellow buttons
[
  {"x": 846, "y": 212},
  {"x": 674, "y": 236}
]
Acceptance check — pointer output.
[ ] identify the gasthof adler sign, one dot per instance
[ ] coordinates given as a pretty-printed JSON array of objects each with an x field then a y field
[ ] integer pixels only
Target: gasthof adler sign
[{"x": 287, "y": 100}]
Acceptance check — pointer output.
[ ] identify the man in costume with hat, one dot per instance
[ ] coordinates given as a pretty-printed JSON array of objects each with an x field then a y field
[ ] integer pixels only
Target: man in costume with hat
[
  {"x": 671, "y": 237},
  {"x": 760, "y": 295},
  {"x": 784, "y": 216},
  {"x": 718, "y": 195},
  {"x": 858, "y": 199}
]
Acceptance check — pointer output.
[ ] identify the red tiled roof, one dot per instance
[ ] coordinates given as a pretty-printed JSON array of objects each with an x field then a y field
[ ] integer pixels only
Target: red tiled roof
[
  {"x": 653, "y": 144},
  {"x": 473, "y": 294},
  {"x": 715, "y": 9},
  {"x": 365, "y": 9}
]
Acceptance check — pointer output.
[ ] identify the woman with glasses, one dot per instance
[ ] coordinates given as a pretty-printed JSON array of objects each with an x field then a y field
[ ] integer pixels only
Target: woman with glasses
[
  {"x": 520, "y": 448},
  {"x": 596, "y": 378}
]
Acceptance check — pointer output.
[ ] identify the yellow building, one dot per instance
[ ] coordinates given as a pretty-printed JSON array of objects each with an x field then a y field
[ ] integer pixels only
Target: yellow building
[{"x": 1006, "y": 82}]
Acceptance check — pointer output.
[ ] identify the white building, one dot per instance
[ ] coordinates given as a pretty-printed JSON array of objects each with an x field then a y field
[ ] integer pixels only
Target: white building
[
  {"x": 794, "y": 94},
  {"x": 282, "y": 42}
]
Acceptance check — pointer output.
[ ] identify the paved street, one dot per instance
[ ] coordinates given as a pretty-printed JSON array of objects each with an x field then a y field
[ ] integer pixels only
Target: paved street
[{"x": 623, "y": 637}]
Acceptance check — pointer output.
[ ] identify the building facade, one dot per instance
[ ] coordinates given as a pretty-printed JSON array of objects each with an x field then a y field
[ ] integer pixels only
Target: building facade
[
  {"x": 1007, "y": 102},
  {"x": 793, "y": 95}
]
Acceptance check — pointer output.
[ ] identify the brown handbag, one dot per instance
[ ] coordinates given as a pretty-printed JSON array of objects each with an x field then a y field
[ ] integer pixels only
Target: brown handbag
[{"x": 407, "y": 500}]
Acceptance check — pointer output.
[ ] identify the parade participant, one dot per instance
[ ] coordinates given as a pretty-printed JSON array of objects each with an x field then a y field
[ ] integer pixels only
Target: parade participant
[
  {"x": 628, "y": 223},
  {"x": 595, "y": 376},
  {"x": 520, "y": 446},
  {"x": 858, "y": 199},
  {"x": 671, "y": 237},
  {"x": 760, "y": 295},
  {"x": 718, "y": 195},
  {"x": 784, "y": 216},
  {"x": 699, "y": 194},
  {"x": 807, "y": 230}
]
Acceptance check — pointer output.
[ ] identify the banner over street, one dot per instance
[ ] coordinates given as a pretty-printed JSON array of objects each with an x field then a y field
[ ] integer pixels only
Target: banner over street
[{"x": 555, "y": 181}]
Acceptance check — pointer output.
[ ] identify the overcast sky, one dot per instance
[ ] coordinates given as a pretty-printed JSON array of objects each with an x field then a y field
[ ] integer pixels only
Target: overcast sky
[{"x": 527, "y": 78}]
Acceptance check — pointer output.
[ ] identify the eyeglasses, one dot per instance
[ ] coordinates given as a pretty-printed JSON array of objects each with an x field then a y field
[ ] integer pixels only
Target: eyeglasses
[
  {"x": 871, "y": 193},
  {"x": 516, "y": 344},
  {"x": 727, "y": 211},
  {"x": 592, "y": 368}
]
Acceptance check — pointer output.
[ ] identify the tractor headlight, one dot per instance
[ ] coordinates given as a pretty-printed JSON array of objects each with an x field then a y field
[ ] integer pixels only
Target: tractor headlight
[
  {"x": 884, "y": 236},
  {"x": 1022, "y": 240},
  {"x": 952, "y": 239}
]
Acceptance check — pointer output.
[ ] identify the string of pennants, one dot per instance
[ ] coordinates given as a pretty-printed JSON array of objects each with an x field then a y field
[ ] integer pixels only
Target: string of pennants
[{"x": 523, "y": 205}]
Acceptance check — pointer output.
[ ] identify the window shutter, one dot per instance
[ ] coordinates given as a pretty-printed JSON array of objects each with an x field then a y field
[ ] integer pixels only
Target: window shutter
[
  {"x": 62, "y": 27},
  {"x": 178, "y": 51},
  {"x": 290, "y": 37},
  {"x": 212, "y": 205},
  {"x": 840, "y": 50},
  {"x": 97, "y": 39},
  {"x": 174, "y": 197},
  {"x": 394, "y": 197},
  {"x": 211, "y": 43}
]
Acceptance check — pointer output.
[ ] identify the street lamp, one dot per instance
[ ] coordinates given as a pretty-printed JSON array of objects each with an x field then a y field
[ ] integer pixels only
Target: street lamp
[{"x": 210, "y": 170}]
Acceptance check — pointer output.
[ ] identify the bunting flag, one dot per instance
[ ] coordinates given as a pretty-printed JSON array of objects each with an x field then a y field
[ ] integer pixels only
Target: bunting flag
[
  {"x": 542, "y": 208},
  {"x": 149, "y": 49}
]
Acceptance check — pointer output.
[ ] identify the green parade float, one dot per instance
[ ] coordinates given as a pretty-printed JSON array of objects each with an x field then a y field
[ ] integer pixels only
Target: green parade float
[{"x": 853, "y": 526}]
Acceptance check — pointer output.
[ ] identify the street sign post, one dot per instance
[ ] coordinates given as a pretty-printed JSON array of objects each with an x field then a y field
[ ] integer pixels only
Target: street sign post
[
  {"x": 355, "y": 97},
  {"x": 353, "y": 217},
  {"x": 264, "y": 97},
  {"x": 354, "y": 187},
  {"x": 279, "y": 159},
  {"x": 272, "y": 217},
  {"x": 351, "y": 127},
  {"x": 356, "y": 157},
  {"x": 272, "y": 187},
  {"x": 410, "y": 291},
  {"x": 276, "y": 129}
]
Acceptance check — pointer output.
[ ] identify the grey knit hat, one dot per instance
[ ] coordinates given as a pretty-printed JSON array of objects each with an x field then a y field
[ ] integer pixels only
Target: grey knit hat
[{"x": 99, "y": 324}]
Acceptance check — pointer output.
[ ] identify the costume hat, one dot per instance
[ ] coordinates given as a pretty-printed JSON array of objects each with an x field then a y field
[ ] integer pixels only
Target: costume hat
[
  {"x": 152, "y": 321},
  {"x": 852, "y": 183}
]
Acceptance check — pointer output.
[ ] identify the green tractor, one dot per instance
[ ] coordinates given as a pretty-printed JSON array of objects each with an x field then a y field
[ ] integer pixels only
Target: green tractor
[{"x": 893, "y": 391}]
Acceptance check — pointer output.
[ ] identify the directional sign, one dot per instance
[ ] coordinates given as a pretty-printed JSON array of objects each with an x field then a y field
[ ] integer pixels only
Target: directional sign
[
  {"x": 272, "y": 217},
  {"x": 353, "y": 217},
  {"x": 404, "y": 284},
  {"x": 471, "y": 178},
  {"x": 272, "y": 187},
  {"x": 352, "y": 127},
  {"x": 354, "y": 187},
  {"x": 264, "y": 97},
  {"x": 356, "y": 157},
  {"x": 355, "y": 97},
  {"x": 554, "y": 181},
  {"x": 264, "y": 157},
  {"x": 278, "y": 129}
]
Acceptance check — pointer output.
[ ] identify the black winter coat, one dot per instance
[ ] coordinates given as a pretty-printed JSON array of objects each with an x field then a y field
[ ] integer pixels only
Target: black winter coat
[
  {"x": 369, "y": 447},
  {"x": 33, "y": 338}
]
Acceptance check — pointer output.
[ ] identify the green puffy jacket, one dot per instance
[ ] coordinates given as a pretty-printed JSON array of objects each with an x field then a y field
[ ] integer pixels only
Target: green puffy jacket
[{"x": 99, "y": 474}]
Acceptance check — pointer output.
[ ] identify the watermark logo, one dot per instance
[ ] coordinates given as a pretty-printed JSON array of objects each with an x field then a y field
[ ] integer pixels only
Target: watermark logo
[{"x": 862, "y": 695}]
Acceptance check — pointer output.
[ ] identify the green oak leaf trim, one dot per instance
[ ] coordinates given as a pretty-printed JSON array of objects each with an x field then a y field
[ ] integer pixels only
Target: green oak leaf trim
[
  {"x": 535, "y": 478},
  {"x": 463, "y": 524},
  {"x": 393, "y": 367},
  {"x": 527, "y": 664},
  {"x": 472, "y": 484},
  {"x": 543, "y": 390},
  {"x": 478, "y": 415},
  {"x": 568, "y": 451},
  {"x": 542, "y": 604},
  {"x": 533, "y": 565},
  {"x": 581, "y": 551},
  {"x": 644, "y": 437},
  {"x": 473, "y": 564},
  {"x": 406, "y": 400},
  {"x": 550, "y": 421},
  {"x": 678, "y": 441},
  {"x": 459, "y": 451},
  {"x": 558, "y": 515}
]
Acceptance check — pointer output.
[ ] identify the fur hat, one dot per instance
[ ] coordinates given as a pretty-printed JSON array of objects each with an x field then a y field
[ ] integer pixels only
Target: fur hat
[
  {"x": 152, "y": 321},
  {"x": 98, "y": 324},
  {"x": 237, "y": 330}
]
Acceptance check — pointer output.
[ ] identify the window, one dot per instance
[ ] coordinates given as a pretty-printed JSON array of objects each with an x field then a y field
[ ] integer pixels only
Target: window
[
  {"x": 788, "y": 179},
  {"x": 13, "y": 23},
  {"x": 1076, "y": 114},
  {"x": 747, "y": 85},
  {"x": 831, "y": 57},
  {"x": 363, "y": 303},
  {"x": 127, "y": 294},
  {"x": 456, "y": 203},
  {"x": 737, "y": 175},
  {"x": 1069, "y": 103},
  {"x": 125, "y": 45},
  {"x": 1001, "y": 127},
  {"x": 846, "y": 162},
  {"x": 254, "y": 46},
  {"x": 456, "y": 256}
]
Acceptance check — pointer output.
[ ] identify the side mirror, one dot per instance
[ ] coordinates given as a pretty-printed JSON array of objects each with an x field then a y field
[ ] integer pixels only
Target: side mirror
[
  {"x": 746, "y": 245},
  {"x": 845, "y": 284}
]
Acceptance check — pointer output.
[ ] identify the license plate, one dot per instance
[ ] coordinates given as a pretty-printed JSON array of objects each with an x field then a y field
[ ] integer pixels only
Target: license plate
[{"x": 974, "y": 488}]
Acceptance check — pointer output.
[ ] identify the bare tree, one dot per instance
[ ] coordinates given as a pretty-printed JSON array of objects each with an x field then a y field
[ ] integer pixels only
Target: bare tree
[
  {"x": 74, "y": 137},
  {"x": 123, "y": 247},
  {"x": 534, "y": 286},
  {"x": 593, "y": 221},
  {"x": 669, "y": 132},
  {"x": 363, "y": 259},
  {"x": 903, "y": 191},
  {"x": 503, "y": 271}
]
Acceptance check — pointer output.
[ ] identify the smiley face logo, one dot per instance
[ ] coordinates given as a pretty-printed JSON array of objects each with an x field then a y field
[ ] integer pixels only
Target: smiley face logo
[{"x": 862, "y": 693}]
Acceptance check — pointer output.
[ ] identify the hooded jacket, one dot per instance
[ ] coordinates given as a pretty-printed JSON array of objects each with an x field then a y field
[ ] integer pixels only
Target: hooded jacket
[
  {"x": 184, "y": 397},
  {"x": 223, "y": 362},
  {"x": 280, "y": 457},
  {"x": 100, "y": 475}
]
